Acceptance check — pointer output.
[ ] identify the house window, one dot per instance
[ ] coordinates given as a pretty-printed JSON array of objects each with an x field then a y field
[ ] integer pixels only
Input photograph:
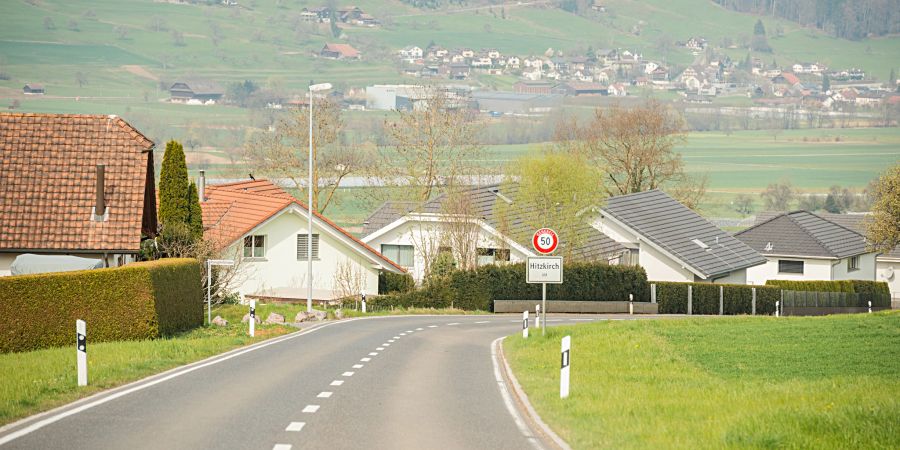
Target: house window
[
  {"x": 853, "y": 263},
  {"x": 255, "y": 246},
  {"x": 788, "y": 266},
  {"x": 303, "y": 246},
  {"x": 400, "y": 254}
]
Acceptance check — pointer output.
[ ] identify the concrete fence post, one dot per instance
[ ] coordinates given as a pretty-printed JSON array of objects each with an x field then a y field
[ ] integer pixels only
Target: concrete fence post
[
  {"x": 721, "y": 300},
  {"x": 690, "y": 300},
  {"x": 653, "y": 293},
  {"x": 752, "y": 301},
  {"x": 81, "y": 351}
]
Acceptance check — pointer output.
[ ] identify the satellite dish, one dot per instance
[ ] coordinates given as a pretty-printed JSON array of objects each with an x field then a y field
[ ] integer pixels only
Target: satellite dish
[{"x": 889, "y": 273}]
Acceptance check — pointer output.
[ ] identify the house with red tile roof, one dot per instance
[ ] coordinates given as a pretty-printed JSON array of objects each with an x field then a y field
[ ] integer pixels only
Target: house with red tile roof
[
  {"x": 339, "y": 51},
  {"x": 264, "y": 228},
  {"x": 74, "y": 184}
]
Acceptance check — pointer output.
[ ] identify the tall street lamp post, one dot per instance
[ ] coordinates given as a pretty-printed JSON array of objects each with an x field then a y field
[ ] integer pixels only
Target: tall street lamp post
[{"x": 309, "y": 186}]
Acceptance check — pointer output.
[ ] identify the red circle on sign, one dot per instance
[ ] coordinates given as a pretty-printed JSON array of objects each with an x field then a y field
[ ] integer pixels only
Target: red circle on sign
[{"x": 545, "y": 240}]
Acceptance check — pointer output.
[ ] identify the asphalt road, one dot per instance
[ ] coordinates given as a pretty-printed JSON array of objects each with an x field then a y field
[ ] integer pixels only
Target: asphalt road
[{"x": 391, "y": 382}]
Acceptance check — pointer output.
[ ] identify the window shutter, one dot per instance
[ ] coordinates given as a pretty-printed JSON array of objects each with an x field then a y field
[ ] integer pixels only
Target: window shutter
[{"x": 302, "y": 246}]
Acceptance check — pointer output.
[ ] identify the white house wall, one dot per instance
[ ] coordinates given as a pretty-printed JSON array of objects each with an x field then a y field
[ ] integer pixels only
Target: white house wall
[
  {"x": 415, "y": 233},
  {"x": 281, "y": 274},
  {"x": 881, "y": 270},
  {"x": 813, "y": 269},
  {"x": 866, "y": 269},
  {"x": 660, "y": 267}
]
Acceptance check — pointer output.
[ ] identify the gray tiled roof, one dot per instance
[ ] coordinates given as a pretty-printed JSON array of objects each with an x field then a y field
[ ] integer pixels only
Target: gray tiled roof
[
  {"x": 673, "y": 227},
  {"x": 803, "y": 233},
  {"x": 384, "y": 215},
  {"x": 484, "y": 199},
  {"x": 855, "y": 222}
]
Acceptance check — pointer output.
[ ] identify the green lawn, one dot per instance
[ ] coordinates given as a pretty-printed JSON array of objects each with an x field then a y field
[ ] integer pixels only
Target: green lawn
[
  {"x": 737, "y": 382},
  {"x": 43, "y": 379}
]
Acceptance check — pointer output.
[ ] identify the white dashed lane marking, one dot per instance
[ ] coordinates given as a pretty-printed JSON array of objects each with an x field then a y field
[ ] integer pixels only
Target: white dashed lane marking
[
  {"x": 386, "y": 344},
  {"x": 484, "y": 321},
  {"x": 324, "y": 394},
  {"x": 282, "y": 447},
  {"x": 337, "y": 382},
  {"x": 357, "y": 366},
  {"x": 373, "y": 353},
  {"x": 379, "y": 348},
  {"x": 295, "y": 426},
  {"x": 393, "y": 340},
  {"x": 402, "y": 334},
  {"x": 432, "y": 326},
  {"x": 311, "y": 408},
  {"x": 410, "y": 331},
  {"x": 454, "y": 323},
  {"x": 420, "y": 329},
  {"x": 365, "y": 359},
  {"x": 347, "y": 374}
]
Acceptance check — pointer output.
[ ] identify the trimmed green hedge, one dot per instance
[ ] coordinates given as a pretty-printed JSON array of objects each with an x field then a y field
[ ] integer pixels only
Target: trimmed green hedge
[
  {"x": 737, "y": 298},
  {"x": 389, "y": 282},
  {"x": 477, "y": 289},
  {"x": 878, "y": 292},
  {"x": 142, "y": 300}
]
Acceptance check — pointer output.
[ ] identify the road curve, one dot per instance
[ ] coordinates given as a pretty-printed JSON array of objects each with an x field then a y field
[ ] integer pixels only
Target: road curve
[{"x": 386, "y": 382}]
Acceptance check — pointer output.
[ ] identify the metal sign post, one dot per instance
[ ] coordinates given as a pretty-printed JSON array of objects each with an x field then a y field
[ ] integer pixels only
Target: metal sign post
[
  {"x": 544, "y": 270},
  {"x": 209, "y": 264}
]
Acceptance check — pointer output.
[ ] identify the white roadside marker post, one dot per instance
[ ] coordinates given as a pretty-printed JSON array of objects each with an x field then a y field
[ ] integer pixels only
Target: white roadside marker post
[
  {"x": 81, "y": 351},
  {"x": 363, "y": 295},
  {"x": 537, "y": 316},
  {"x": 870, "y": 306},
  {"x": 631, "y": 304},
  {"x": 564, "y": 369},
  {"x": 252, "y": 318},
  {"x": 525, "y": 324},
  {"x": 777, "y": 307}
]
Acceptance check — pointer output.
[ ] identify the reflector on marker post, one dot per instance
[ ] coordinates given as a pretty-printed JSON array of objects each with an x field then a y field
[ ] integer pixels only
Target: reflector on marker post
[
  {"x": 363, "y": 295},
  {"x": 81, "y": 351},
  {"x": 777, "y": 307},
  {"x": 564, "y": 367},
  {"x": 870, "y": 306},
  {"x": 525, "y": 324},
  {"x": 537, "y": 316},
  {"x": 252, "y": 318}
]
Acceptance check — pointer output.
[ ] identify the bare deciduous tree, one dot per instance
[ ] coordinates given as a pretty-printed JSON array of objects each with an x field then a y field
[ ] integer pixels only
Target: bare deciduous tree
[
  {"x": 634, "y": 147},
  {"x": 349, "y": 279},
  {"x": 778, "y": 196},
  {"x": 432, "y": 145},
  {"x": 283, "y": 153}
]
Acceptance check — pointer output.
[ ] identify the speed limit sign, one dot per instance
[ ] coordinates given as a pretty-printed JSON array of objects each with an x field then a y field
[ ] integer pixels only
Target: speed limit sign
[{"x": 545, "y": 240}]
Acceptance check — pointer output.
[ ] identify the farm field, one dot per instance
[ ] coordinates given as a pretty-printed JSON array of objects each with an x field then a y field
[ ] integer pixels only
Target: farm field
[{"x": 736, "y": 382}]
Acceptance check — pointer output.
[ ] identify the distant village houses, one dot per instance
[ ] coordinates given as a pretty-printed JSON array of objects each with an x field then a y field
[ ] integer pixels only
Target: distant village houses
[{"x": 196, "y": 91}]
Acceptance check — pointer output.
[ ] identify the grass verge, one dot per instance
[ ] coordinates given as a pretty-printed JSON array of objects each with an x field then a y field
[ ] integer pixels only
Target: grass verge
[
  {"x": 43, "y": 379},
  {"x": 741, "y": 382}
]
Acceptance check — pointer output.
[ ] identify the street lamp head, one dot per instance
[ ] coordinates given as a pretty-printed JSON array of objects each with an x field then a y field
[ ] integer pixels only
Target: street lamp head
[{"x": 320, "y": 87}]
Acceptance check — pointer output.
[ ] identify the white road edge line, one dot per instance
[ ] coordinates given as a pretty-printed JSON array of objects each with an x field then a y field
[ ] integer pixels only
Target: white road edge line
[
  {"x": 311, "y": 408},
  {"x": 507, "y": 399},
  {"x": 295, "y": 426},
  {"x": 498, "y": 358},
  {"x": 143, "y": 384}
]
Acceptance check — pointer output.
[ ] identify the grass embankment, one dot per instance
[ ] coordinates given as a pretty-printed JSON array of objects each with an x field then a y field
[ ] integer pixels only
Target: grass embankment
[
  {"x": 234, "y": 313},
  {"x": 742, "y": 382},
  {"x": 43, "y": 379}
]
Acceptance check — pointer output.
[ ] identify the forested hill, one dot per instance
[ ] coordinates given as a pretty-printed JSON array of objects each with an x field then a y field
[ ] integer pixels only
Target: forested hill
[{"x": 850, "y": 19}]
